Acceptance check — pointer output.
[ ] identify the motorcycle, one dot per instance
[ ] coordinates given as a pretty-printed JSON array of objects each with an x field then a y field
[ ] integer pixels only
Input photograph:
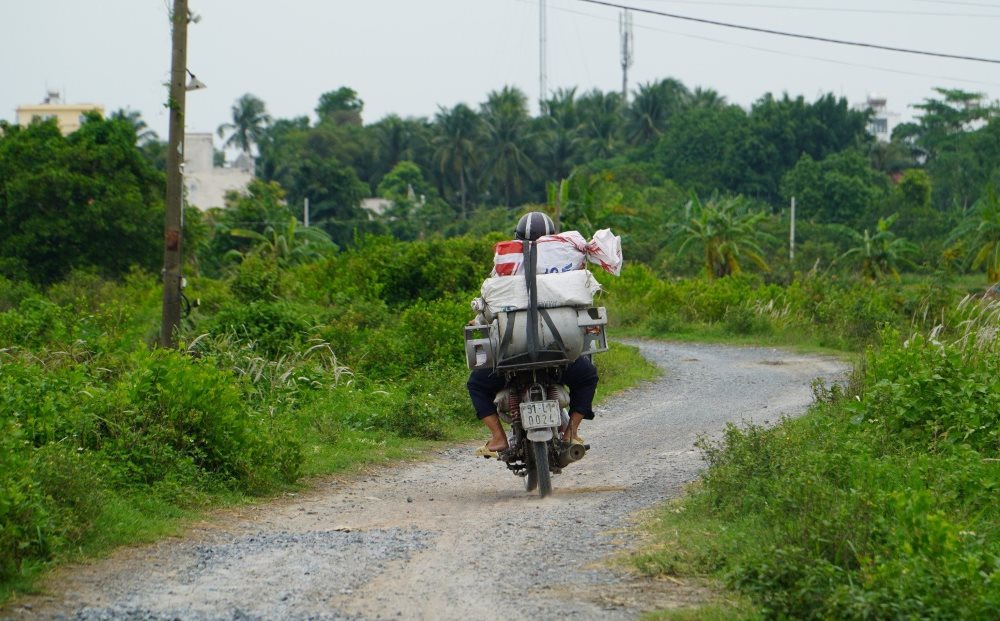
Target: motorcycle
[{"x": 530, "y": 342}]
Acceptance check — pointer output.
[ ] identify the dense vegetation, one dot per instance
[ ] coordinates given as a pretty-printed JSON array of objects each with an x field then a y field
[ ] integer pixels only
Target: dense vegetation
[
  {"x": 314, "y": 347},
  {"x": 595, "y": 162},
  {"x": 879, "y": 504}
]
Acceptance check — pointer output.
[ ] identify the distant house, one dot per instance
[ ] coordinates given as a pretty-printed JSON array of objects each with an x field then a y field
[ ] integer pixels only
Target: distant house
[
  {"x": 376, "y": 206},
  {"x": 68, "y": 116},
  {"x": 207, "y": 184},
  {"x": 882, "y": 121}
]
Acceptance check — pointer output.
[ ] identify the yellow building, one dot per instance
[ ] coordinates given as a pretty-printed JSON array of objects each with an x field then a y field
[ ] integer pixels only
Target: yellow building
[{"x": 68, "y": 116}]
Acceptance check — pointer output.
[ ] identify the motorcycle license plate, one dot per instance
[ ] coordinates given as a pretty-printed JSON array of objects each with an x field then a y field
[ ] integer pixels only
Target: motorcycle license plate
[{"x": 540, "y": 414}]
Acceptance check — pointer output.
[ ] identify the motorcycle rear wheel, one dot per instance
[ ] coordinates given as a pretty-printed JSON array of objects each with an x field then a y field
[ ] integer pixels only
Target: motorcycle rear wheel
[
  {"x": 540, "y": 468},
  {"x": 531, "y": 480}
]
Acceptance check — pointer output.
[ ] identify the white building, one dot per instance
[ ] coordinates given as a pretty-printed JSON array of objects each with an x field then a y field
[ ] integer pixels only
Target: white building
[
  {"x": 882, "y": 120},
  {"x": 205, "y": 183}
]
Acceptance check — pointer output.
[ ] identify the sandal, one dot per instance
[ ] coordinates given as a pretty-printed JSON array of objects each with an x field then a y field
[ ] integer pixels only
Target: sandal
[{"x": 483, "y": 451}]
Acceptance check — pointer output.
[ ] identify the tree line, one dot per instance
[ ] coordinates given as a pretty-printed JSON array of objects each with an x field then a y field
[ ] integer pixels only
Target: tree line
[{"x": 648, "y": 167}]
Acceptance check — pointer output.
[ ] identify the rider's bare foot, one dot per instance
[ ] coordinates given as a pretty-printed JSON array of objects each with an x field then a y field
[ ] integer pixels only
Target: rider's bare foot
[
  {"x": 498, "y": 439},
  {"x": 498, "y": 445},
  {"x": 571, "y": 431}
]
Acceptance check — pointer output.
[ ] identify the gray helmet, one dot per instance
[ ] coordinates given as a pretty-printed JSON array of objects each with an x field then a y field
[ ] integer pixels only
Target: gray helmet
[{"x": 533, "y": 225}]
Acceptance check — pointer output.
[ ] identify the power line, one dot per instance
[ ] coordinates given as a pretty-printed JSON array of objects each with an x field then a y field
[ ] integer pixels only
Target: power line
[
  {"x": 952, "y": 3},
  {"x": 792, "y": 35},
  {"x": 792, "y": 7},
  {"x": 779, "y": 52}
]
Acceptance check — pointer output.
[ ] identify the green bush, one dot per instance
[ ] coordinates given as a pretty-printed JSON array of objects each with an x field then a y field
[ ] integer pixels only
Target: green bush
[
  {"x": 35, "y": 323},
  {"x": 275, "y": 327},
  {"x": 928, "y": 395},
  {"x": 170, "y": 412},
  {"x": 744, "y": 321},
  {"x": 255, "y": 279},
  {"x": 12, "y": 292},
  {"x": 879, "y": 504}
]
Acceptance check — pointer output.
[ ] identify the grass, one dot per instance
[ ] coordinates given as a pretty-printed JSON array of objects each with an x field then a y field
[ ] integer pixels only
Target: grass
[
  {"x": 734, "y": 609},
  {"x": 621, "y": 367}
]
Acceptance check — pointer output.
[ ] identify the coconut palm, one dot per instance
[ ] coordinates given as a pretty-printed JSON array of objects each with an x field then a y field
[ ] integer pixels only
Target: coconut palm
[
  {"x": 726, "y": 229},
  {"x": 507, "y": 142},
  {"x": 455, "y": 150},
  {"x": 600, "y": 123},
  {"x": 143, "y": 133},
  {"x": 653, "y": 106},
  {"x": 881, "y": 254},
  {"x": 399, "y": 140},
  {"x": 707, "y": 98},
  {"x": 979, "y": 232},
  {"x": 250, "y": 120},
  {"x": 560, "y": 148}
]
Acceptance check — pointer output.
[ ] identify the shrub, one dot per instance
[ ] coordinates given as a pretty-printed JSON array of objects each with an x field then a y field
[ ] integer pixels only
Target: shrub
[
  {"x": 880, "y": 503},
  {"x": 169, "y": 411},
  {"x": 275, "y": 327},
  {"x": 36, "y": 322},
  {"x": 255, "y": 280}
]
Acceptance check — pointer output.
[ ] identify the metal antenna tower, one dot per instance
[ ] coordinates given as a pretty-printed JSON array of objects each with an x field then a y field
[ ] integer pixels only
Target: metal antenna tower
[
  {"x": 627, "y": 39},
  {"x": 542, "y": 60}
]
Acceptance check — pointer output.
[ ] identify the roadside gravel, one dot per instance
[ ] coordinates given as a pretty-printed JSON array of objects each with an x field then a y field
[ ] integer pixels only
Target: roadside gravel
[{"x": 456, "y": 537}]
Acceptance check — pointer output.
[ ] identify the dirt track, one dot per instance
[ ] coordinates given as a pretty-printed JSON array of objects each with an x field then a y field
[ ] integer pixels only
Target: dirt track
[{"x": 456, "y": 537}]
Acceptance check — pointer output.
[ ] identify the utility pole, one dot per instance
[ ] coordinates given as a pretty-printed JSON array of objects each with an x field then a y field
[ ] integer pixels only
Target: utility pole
[
  {"x": 174, "y": 195},
  {"x": 791, "y": 233},
  {"x": 542, "y": 57},
  {"x": 305, "y": 211},
  {"x": 627, "y": 39}
]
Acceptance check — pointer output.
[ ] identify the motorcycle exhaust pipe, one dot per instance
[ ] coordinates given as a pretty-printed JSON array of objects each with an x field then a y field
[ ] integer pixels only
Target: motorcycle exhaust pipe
[{"x": 574, "y": 452}]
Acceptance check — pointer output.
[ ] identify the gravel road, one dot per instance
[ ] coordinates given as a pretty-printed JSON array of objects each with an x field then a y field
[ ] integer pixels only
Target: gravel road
[{"x": 455, "y": 537}]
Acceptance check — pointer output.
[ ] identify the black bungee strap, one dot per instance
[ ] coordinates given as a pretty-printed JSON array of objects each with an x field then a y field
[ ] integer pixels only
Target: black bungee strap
[{"x": 530, "y": 259}]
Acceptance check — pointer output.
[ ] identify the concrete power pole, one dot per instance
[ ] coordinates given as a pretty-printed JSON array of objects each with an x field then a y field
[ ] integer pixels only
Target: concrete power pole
[
  {"x": 174, "y": 195},
  {"x": 627, "y": 39},
  {"x": 542, "y": 57}
]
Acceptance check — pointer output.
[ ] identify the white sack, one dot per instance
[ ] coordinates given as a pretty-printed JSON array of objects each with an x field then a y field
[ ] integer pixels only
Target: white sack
[
  {"x": 509, "y": 293},
  {"x": 605, "y": 249},
  {"x": 562, "y": 252}
]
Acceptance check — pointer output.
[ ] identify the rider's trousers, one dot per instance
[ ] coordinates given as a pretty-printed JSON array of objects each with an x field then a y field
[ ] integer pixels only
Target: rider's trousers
[{"x": 580, "y": 378}]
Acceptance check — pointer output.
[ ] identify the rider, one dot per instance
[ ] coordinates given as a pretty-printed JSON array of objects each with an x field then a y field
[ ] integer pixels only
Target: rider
[{"x": 580, "y": 377}]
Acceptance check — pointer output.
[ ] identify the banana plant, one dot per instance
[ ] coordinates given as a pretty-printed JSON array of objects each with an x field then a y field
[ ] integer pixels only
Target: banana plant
[{"x": 289, "y": 245}]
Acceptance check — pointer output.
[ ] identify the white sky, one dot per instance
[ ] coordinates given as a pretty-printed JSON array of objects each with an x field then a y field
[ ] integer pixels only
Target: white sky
[{"x": 409, "y": 56}]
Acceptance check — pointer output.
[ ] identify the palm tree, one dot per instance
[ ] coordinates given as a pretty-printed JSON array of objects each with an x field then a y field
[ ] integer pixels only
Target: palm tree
[
  {"x": 980, "y": 233},
  {"x": 561, "y": 131},
  {"x": 600, "y": 123},
  {"x": 143, "y": 133},
  {"x": 400, "y": 139},
  {"x": 652, "y": 108},
  {"x": 726, "y": 230},
  {"x": 707, "y": 98},
  {"x": 250, "y": 120},
  {"x": 507, "y": 142},
  {"x": 455, "y": 151},
  {"x": 881, "y": 254}
]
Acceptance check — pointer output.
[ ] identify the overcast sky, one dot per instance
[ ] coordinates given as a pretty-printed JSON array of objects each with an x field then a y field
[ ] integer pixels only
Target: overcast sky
[{"x": 410, "y": 56}]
